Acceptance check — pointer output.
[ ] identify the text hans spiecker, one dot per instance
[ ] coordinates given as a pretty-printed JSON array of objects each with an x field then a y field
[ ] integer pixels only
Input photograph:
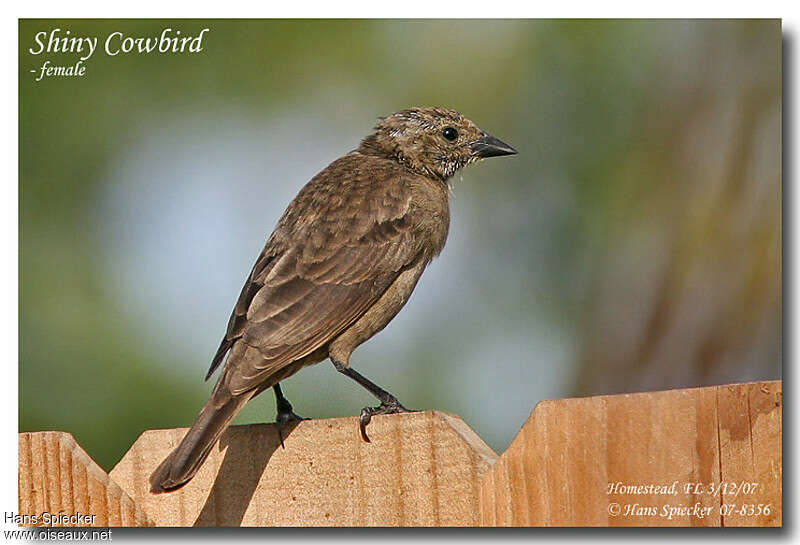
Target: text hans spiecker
[{"x": 114, "y": 44}]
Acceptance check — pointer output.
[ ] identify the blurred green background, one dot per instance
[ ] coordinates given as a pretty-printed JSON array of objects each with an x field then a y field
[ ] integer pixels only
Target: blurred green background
[{"x": 633, "y": 244}]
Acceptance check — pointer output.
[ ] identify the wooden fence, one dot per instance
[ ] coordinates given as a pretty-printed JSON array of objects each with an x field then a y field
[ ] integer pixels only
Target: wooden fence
[{"x": 693, "y": 457}]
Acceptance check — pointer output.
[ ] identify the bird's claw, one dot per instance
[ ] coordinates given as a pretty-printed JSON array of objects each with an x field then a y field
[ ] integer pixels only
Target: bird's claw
[
  {"x": 393, "y": 407},
  {"x": 285, "y": 417}
]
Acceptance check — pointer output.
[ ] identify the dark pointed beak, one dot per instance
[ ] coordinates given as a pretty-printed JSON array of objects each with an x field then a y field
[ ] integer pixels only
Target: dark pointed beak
[{"x": 489, "y": 146}]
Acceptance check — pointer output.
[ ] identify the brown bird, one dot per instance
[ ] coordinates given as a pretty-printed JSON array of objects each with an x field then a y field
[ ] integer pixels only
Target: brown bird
[{"x": 341, "y": 263}]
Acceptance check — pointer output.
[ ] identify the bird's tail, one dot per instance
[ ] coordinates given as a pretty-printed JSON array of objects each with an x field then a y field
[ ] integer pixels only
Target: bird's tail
[{"x": 180, "y": 466}]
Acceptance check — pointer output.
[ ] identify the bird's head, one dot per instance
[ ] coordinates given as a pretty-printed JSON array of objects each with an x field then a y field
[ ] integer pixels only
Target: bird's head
[{"x": 434, "y": 142}]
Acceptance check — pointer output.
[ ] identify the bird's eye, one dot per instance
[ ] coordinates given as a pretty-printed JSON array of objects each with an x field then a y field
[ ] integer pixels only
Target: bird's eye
[{"x": 450, "y": 133}]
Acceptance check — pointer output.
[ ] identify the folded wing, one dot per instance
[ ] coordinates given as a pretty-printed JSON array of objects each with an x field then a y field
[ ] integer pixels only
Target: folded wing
[{"x": 329, "y": 260}]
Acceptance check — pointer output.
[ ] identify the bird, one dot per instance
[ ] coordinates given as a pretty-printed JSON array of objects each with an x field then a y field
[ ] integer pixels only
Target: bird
[{"x": 342, "y": 261}]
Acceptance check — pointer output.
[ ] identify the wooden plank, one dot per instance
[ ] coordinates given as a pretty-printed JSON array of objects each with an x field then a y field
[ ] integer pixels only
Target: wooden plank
[
  {"x": 670, "y": 458},
  {"x": 750, "y": 432},
  {"x": 421, "y": 469},
  {"x": 60, "y": 485}
]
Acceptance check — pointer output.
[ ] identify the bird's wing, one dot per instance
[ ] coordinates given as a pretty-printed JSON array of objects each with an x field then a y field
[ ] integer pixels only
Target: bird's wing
[{"x": 339, "y": 246}]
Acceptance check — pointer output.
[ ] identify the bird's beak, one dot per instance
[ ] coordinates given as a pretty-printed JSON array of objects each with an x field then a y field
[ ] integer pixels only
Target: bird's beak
[{"x": 489, "y": 146}]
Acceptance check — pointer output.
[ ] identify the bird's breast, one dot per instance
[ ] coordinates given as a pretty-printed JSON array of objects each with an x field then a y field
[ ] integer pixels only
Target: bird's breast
[{"x": 432, "y": 215}]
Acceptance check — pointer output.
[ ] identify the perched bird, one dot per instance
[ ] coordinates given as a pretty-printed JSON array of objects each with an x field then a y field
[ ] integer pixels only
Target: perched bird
[{"x": 341, "y": 263}]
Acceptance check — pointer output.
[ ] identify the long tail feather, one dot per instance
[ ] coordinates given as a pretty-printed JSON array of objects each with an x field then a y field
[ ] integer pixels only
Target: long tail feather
[{"x": 182, "y": 464}]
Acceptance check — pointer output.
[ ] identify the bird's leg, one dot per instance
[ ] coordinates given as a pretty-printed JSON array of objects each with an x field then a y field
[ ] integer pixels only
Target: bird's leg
[
  {"x": 389, "y": 403},
  {"x": 285, "y": 412}
]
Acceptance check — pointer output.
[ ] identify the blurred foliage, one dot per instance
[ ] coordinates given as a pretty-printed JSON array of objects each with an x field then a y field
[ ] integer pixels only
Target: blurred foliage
[{"x": 633, "y": 244}]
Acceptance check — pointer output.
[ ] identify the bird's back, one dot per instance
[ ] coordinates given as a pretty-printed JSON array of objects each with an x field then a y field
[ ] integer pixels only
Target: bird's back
[{"x": 339, "y": 245}]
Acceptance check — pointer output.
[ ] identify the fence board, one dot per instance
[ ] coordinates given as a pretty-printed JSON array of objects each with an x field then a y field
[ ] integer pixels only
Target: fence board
[
  {"x": 57, "y": 478},
  {"x": 715, "y": 454},
  {"x": 575, "y": 460},
  {"x": 420, "y": 469}
]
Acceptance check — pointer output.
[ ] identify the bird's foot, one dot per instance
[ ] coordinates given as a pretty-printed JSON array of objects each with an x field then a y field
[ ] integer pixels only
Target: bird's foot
[
  {"x": 284, "y": 417},
  {"x": 391, "y": 407}
]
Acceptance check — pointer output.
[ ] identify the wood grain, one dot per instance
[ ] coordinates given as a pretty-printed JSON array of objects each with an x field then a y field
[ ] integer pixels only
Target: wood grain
[
  {"x": 573, "y": 459},
  {"x": 56, "y": 477},
  {"x": 716, "y": 453},
  {"x": 421, "y": 469}
]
